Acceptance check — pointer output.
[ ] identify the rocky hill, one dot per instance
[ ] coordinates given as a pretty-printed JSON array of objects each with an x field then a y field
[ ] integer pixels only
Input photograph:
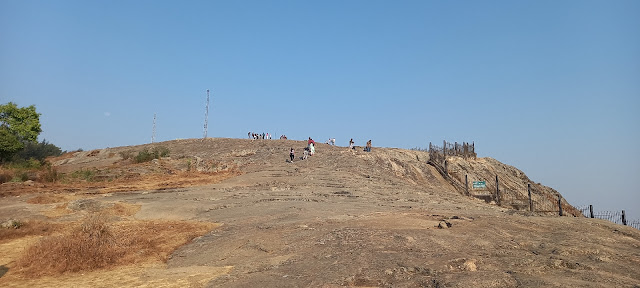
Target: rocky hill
[{"x": 339, "y": 218}]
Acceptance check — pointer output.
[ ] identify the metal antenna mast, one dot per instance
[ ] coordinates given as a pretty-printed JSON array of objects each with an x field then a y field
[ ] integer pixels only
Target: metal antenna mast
[
  {"x": 206, "y": 115},
  {"x": 153, "y": 136}
]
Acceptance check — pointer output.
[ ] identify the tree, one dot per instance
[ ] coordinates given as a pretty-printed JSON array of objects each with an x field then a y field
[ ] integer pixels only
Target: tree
[
  {"x": 39, "y": 151},
  {"x": 17, "y": 126}
]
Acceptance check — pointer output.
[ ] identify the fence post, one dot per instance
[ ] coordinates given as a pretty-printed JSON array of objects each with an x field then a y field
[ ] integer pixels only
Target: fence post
[
  {"x": 591, "y": 211},
  {"x": 560, "y": 205},
  {"x": 473, "y": 147},
  {"x": 497, "y": 191},
  {"x": 446, "y": 172},
  {"x": 466, "y": 183},
  {"x": 444, "y": 148},
  {"x": 624, "y": 219},
  {"x": 530, "y": 201}
]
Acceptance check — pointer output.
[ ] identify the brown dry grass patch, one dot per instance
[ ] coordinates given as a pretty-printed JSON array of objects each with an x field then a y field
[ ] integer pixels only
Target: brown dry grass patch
[
  {"x": 58, "y": 211},
  {"x": 99, "y": 244},
  {"x": 164, "y": 181},
  {"x": 122, "y": 209},
  {"x": 128, "y": 182},
  {"x": 47, "y": 199},
  {"x": 27, "y": 228}
]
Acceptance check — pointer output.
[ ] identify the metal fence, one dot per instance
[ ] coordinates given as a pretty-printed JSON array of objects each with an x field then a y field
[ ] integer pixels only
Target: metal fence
[
  {"x": 617, "y": 217},
  {"x": 438, "y": 154},
  {"x": 519, "y": 200}
]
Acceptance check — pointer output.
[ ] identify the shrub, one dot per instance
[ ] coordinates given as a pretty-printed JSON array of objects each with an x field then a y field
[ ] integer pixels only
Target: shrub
[
  {"x": 5, "y": 177},
  {"x": 21, "y": 177},
  {"x": 88, "y": 247},
  {"x": 161, "y": 152},
  {"x": 38, "y": 151},
  {"x": 96, "y": 244},
  {"x": 126, "y": 154},
  {"x": 84, "y": 174},
  {"x": 144, "y": 156},
  {"x": 50, "y": 174},
  {"x": 25, "y": 164},
  {"x": 156, "y": 153}
]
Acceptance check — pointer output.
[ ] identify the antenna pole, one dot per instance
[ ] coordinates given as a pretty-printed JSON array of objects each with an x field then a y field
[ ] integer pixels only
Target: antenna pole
[
  {"x": 206, "y": 115},
  {"x": 153, "y": 135}
]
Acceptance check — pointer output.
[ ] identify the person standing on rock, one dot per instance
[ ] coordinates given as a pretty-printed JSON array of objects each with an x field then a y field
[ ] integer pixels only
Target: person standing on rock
[
  {"x": 311, "y": 145},
  {"x": 368, "y": 147},
  {"x": 292, "y": 154},
  {"x": 351, "y": 144}
]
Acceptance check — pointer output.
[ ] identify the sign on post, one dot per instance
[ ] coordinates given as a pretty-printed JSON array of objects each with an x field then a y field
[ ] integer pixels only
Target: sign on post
[{"x": 479, "y": 184}]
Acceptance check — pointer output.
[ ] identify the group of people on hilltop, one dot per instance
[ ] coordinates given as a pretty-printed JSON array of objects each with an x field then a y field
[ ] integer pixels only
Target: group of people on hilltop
[
  {"x": 310, "y": 149},
  {"x": 367, "y": 148},
  {"x": 256, "y": 136}
]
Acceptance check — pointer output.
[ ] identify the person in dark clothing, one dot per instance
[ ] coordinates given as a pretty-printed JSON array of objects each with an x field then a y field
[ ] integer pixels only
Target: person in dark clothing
[{"x": 292, "y": 154}]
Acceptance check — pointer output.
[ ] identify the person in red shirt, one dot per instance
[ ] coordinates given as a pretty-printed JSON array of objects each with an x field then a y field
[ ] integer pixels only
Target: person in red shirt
[{"x": 311, "y": 145}]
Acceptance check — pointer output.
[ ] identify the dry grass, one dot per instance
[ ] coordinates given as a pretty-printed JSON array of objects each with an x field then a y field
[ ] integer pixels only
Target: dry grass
[
  {"x": 98, "y": 244},
  {"x": 5, "y": 176},
  {"x": 123, "y": 209},
  {"x": 47, "y": 199},
  {"x": 58, "y": 211},
  {"x": 126, "y": 183},
  {"x": 27, "y": 228}
]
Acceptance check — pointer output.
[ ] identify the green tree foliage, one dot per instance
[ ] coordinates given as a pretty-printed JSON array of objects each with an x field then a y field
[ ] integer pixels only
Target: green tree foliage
[
  {"x": 38, "y": 151},
  {"x": 17, "y": 126}
]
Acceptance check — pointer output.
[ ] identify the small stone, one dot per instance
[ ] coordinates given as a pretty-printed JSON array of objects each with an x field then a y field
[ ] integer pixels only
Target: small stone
[
  {"x": 444, "y": 225},
  {"x": 470, "y": 265},
  {"x": 15, "y": 224}
]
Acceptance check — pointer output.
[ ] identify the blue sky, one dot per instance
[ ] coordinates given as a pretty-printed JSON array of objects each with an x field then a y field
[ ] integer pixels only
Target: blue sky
[{"x": 551, "y": 87}]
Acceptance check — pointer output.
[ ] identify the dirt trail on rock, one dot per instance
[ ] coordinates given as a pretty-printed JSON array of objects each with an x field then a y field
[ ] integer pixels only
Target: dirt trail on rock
[{"x": 340, "y": 218}]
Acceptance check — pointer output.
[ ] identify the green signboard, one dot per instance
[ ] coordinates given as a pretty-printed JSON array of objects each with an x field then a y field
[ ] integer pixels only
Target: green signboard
[{"x": 479, "y": 184}]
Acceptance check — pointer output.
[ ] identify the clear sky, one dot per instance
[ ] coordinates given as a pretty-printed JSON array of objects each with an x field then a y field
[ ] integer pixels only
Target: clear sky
[{"x": 551, "y": 87}]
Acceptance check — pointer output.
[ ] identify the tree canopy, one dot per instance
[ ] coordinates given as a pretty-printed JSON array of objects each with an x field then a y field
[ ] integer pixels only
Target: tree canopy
[{"x": 17, "y": 127}]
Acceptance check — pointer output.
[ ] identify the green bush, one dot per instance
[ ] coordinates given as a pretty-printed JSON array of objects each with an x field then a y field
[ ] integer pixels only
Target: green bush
[
  {"x": 126, "y": 154},
  {"x": 161, "y": 151},
  {"x": 156, "y": 153},
  {"x": 84, "y": 174},
  {"x": 24, "y": 164},
  {"x": 38, "y": 151},
  {"x": 21, "y": 177},
  {"x": 144, "y": 156}
]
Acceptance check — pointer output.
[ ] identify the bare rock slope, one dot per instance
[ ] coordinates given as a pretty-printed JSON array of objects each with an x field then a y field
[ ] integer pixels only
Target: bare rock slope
[{"x": 380, "y": 219}]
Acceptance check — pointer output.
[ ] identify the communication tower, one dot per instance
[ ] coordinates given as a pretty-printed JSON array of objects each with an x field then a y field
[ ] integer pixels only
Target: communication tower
[
  {"x": 153, "y": 135},
  {"x": 206, "y": 115}
]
